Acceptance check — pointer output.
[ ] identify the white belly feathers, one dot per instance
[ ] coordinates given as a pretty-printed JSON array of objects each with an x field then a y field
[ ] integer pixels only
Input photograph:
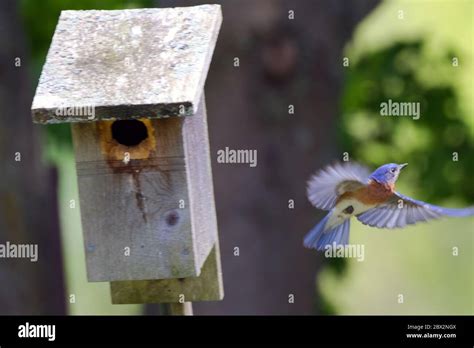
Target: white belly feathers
[{"x": 345, "y": 210}]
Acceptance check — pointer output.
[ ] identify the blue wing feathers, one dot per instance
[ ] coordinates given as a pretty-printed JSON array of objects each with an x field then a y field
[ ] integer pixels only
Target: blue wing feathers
[
  {"x": 393, "y": 215},
  {"x": 434, "y": 209}
]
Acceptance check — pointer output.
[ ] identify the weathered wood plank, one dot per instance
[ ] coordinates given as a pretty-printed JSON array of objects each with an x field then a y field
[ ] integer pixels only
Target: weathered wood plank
[
  {"x": 199, "y": 181},
  {"x": 127, "y": 63},
  {"x": 207, "y": 287},
  {"x": 133, "y": 224}
]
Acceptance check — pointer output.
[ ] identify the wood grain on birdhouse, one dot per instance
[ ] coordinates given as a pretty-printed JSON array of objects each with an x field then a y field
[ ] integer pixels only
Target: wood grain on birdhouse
[
  {"x": 131, "y": 83},
  {"x": 207, "y": 287},
  {"x": 146, "y": 208}
]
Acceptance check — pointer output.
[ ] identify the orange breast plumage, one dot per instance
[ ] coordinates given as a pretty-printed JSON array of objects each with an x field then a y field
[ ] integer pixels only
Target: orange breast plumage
[{"x": 373, "y": 193}]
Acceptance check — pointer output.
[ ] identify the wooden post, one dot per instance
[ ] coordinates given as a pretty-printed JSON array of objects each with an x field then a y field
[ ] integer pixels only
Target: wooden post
[
  {"x": 131, "y": 83},
  {"x": 185, "y": 308}
]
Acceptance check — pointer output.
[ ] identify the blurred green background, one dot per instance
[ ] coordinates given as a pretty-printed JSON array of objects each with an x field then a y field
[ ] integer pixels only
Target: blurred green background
[
  {"x": 406, "y": 59},
  {"x": 408, "y": 56}
]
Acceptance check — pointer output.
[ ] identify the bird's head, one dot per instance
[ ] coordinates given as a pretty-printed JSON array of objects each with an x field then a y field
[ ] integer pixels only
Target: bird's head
[{"x": 388, "y": 173}]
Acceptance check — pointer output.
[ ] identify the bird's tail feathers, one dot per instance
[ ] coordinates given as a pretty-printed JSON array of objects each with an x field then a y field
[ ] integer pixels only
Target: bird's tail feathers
[{"x": 319, "y": 239}]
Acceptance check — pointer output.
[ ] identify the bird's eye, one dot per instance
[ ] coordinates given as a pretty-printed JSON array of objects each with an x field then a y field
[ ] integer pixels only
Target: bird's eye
[{"x": 393, "y": 170}]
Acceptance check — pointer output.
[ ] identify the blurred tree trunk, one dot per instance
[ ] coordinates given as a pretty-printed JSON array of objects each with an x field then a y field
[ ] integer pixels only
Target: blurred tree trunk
[
  {"x": 28, "y": 202},
  {"x": 282, "y": 62}
]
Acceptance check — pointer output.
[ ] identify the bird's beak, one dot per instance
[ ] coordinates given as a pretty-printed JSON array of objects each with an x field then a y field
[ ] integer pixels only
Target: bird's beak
[{"x": 401, "y": 166}]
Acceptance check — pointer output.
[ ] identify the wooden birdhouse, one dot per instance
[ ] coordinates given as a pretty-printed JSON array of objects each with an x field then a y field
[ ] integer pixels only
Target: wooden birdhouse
[{"x": 131, "y": 83}]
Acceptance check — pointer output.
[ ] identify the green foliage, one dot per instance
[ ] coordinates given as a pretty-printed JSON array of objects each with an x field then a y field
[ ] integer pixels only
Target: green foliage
[
  {"x": 337, "y": 264},
  {"x": 427, "y": 144},
  {"x": 325, "y": 307}
]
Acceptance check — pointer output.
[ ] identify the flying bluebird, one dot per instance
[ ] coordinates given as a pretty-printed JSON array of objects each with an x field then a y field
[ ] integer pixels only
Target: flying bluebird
[{"x": 349, "y": 189}]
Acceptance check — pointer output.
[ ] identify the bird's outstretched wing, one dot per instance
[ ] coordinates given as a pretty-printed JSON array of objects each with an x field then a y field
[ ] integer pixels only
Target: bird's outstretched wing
[
  {"x": 328, "y": 184},
  {"x": 401, "y": 210}
]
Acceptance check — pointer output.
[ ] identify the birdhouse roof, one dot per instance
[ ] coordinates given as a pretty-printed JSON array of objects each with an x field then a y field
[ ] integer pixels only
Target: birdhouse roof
[{"x": 122, "y": 64}]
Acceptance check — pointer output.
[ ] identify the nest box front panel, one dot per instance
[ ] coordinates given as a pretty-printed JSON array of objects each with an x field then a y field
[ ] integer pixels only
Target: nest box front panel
[{"x": 134, "y": 200}]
